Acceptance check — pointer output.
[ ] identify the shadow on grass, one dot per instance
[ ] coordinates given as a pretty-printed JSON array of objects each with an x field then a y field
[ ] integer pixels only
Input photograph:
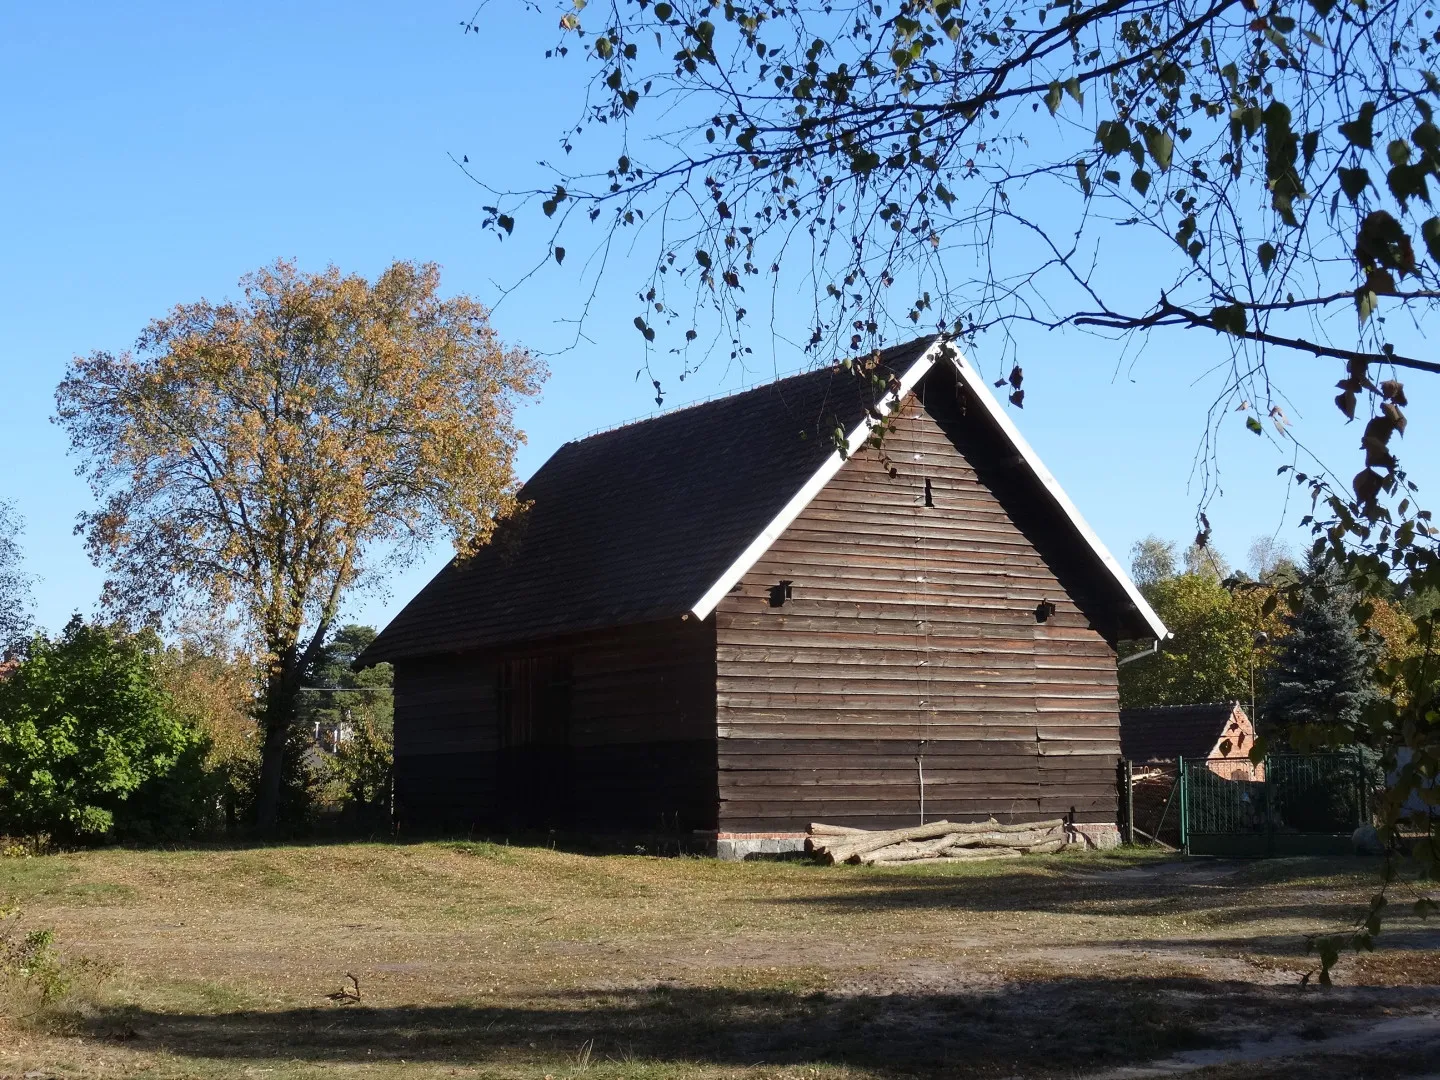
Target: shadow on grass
[
  {"x": 1221, "y": 893},
  {"x": 1036, "y": 1028}
]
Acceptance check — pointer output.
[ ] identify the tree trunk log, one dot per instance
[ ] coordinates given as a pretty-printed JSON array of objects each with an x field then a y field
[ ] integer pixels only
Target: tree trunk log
[
  {"x": 986, "y": 833},
  {"x": 282, "y": 691},
  {"x": 964, "y": 855},
  {"x": 1047, "y": 847},
  {"x": 860, "y": 843}
]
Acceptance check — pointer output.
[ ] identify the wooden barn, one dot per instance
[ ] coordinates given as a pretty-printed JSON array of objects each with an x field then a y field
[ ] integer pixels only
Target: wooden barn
[{"x": 719, "y": 622}]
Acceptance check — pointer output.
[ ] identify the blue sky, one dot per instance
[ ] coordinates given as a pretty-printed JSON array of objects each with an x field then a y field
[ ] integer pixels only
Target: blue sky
[{"x": 154, "y": 153}]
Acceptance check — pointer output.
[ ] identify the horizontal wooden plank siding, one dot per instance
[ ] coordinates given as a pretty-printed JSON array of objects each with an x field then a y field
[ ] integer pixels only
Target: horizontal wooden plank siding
[
  {"x": 643, "y": 728},
  {"x": 445, "y": 744},
  {"x": 638, "y": 751},
  {"x": 910, "y": 643}
]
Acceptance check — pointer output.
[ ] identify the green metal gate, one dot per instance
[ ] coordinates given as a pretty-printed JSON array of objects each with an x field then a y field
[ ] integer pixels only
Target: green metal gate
[{"x": 1290, "y": 804}]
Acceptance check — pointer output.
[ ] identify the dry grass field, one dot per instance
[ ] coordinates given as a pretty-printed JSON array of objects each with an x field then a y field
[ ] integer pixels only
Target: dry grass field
[{"x": 477, "y": 960}]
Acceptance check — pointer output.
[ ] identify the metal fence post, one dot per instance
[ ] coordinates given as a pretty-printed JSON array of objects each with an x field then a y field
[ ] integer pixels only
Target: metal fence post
[
  {"x": 1270, "y": 806},
  {"x": 1184, "y": 809},
  {"x": 1129, "y": 803}
]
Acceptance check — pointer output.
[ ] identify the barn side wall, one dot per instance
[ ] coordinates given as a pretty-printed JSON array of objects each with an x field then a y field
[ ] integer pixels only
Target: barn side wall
[
  {"x": 639, "y": 753},
  {"x": 911, "y": 632},
  {"x": 446, "y": 741}
]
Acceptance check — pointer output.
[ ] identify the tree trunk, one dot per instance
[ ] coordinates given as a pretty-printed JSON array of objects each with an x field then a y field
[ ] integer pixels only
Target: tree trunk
[{"x": 282, "y": 691}]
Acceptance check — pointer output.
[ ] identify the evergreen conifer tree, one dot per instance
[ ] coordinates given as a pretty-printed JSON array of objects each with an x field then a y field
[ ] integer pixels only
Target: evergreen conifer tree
[{"x": 1320, "y": 684}]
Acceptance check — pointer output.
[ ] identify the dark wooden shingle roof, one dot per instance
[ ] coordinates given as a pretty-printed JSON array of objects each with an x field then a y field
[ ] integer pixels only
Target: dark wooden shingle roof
[
  {"x": 1168, "y": 732},
  {"x": 636, "y": 523},
  {"x": 659, "y": 518}
]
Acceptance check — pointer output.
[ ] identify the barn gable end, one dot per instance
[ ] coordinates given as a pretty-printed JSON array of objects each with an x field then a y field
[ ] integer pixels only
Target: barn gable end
[{"x": 911, "y": 646}]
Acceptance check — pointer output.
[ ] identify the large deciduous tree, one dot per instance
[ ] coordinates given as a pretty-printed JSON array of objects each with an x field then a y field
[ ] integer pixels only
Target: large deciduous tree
[
  {"x": 266, "y": 455},
  {"x": 14, "y": 582},
  {"x": 1215, "y": 650}
]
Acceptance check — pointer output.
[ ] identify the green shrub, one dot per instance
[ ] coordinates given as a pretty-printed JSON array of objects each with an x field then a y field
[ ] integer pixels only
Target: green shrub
[
  {"x": 39, "y": 986},
  {"x": 29, "y": 962},
  {"x": 84, "y": 728},
  {"x": 300, "y": 784},
  {"x": 362, "y": 771}
]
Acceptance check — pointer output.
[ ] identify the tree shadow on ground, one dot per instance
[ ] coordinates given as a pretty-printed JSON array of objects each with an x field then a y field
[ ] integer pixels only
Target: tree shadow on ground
[
  {"x": 1036, "y": 1028},
  {"x": 1226, "y": 892}
]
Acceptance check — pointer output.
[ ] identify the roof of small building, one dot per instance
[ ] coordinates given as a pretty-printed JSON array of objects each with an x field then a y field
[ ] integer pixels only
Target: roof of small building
[
  {"x": 1168, "y": 732},
  {"x": 658, "y": 518}
]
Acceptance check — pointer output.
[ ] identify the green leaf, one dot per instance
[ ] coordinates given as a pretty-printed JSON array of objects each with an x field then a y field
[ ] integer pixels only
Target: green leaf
[
  {"x": 1324, "y": 7},
  {"x": 1361, "y": 131},
  {"x": 1140, "y": 181},
  {"x": 1052, "y": 98},
  {"x": 559, "y": 254},
  {"x": 1309, "y": 144},
  {"x": 1161, "y": 147},
  {"x": 549, "y": 206},
  {"x": 1398, "y": 152},
  {"x": 1430, "y": 230},
  {"x": 663, "y": 12},
  {"x": 1082, "y": 173},
  {"x": 1229, "y": 319},
  {"x": 1254, "y": 425},
  {"x": 1113, "y": 137},
  {"x": 1406, "y": 181},
  {"x": 702, "y": 257},
  {"x": 1267, "y": 256},
  {"x": 1353, "y": 182},
  {"x": 644, "y": 329},
  {"x": 1365, "y": 303},
  {"x": 1072, "y": 87},
  {"x": 506, "y": 222}
]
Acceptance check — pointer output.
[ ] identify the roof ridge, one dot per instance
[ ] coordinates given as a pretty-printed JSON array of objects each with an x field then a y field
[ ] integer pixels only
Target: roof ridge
[
  {"x": 709, "y": 399},
  {"x": 724, "y": 395}
]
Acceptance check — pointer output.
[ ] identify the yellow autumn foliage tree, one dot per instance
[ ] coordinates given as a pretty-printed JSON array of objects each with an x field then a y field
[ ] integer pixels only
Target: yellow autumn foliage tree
[{"x": 265, "y": 456}]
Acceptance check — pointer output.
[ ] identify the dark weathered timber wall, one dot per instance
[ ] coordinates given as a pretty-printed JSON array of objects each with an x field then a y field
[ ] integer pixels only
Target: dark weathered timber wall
[
  {"x": 910, "y": 622},
  {"x": 641, "y": 752},
  {"x": 643, "y": 727},
  {"x": 446, "y": 740}
]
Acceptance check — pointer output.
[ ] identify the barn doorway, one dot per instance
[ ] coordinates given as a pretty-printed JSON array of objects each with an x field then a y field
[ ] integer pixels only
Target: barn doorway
[{"x": 535, "y": 757}]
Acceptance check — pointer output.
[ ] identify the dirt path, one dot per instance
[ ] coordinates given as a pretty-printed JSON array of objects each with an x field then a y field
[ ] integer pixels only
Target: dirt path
[{"x": 1399, "y": 1033}]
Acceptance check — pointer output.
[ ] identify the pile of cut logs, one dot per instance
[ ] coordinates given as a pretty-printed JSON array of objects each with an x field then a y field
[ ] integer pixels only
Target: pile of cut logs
[{"x": 939, "y": 841}]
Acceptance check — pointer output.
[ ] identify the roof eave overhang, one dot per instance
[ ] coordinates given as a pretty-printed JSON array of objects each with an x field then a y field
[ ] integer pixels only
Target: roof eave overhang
[
  {"x": 757, "y": 547},
  {"x": 938, "y": 350}
]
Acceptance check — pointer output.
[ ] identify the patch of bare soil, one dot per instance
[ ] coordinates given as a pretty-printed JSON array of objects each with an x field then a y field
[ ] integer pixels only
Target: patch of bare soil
[{"x": 1393, "y": 1036}]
